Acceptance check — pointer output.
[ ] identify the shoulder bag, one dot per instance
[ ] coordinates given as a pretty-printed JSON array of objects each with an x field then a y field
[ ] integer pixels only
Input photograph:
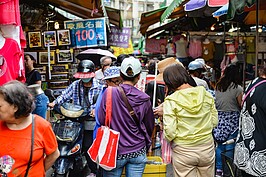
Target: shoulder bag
[
  {"x": 103, "y": 150},
  {"x": 246, "y": 95},
  {"x": 129, "y": 107},
  {"x": 32, "y": 145}
]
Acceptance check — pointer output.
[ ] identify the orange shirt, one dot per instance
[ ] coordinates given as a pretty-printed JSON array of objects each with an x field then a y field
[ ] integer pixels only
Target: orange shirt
[{"x": 17, "y": 144}]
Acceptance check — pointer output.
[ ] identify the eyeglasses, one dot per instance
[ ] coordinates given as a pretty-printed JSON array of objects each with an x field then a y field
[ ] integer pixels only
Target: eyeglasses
[{"x": 116, "y": 82}]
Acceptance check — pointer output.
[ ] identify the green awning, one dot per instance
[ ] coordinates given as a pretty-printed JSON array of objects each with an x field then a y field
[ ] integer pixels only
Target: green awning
[{"x": 170, "y": 9}]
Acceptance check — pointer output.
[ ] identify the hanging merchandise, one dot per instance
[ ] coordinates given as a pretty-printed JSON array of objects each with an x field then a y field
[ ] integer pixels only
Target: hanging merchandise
[
  {"x": 207, "y": 50},
  {"x": 9, "y": 60},
  {"x": 195, "y": 48},
  {"x": 219, "y": 52},
  {"x": 10, "y": 14},
  {"x": 11, "y": 40}
]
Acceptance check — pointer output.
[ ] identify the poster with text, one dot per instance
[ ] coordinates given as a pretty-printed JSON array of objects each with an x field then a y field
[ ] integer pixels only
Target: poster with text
[
  {"x": 87, "y": 33},
  {"x": 119, "y": 37}
]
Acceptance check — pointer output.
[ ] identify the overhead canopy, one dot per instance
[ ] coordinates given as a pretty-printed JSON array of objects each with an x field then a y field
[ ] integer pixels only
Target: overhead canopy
[
  {"x": 82, "y": 8},
  {"x": 152, "y": 17},
  {"x": 241, "y": 11}
]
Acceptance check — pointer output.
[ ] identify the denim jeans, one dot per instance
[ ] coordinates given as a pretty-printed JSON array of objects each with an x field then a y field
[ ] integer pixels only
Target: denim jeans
[
  {"x": 41, "y": 102},
  {"x": 134, "y": 167},
  {"x": 228, "y": 148}
]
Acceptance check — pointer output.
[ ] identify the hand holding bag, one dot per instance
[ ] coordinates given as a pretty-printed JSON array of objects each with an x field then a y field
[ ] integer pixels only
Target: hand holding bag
[{"x": 104, "y": 147}]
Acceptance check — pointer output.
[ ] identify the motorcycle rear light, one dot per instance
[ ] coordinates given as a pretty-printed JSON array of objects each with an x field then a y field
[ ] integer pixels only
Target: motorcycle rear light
[{"x": 75, "y": 149}]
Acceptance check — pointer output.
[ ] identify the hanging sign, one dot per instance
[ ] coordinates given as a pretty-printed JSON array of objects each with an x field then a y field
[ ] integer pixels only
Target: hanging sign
[
  {"x": 119, "y": 37},
  {"x": 87, "y": 33}
]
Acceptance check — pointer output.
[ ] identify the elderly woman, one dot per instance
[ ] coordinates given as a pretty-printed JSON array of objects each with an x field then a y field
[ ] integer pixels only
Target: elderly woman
[
  {"x": 189, "y": 116},
  {"x": 16, "y": 125}
]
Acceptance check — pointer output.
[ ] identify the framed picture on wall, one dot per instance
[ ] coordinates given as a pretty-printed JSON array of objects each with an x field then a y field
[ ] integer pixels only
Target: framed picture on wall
[
  {"x": 35, "y": 39},
  {"x": 49, "y": 36},
  {"x": 63, "y": 37},
  {"x": 43, "y": 57},
  {"x": 64, "y": 56}
]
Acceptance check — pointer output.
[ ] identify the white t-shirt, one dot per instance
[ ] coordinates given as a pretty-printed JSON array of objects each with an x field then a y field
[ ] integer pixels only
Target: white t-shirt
[
  {"x": 99, "y": 74},
  {"x": 201, "y": 82},
  {"x": 170, "y": 48}
]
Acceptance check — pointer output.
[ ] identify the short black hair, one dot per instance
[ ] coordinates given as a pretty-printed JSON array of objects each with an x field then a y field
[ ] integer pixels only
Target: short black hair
[
  {"x": 125, "y": 78},
  {"x": 120, "y": 58},
  {"x": 31, "y": 57},
  {"x": 17, "y": 94}
]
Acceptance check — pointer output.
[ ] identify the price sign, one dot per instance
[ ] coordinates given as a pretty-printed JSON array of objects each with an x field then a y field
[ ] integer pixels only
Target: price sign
[{"x": 87, "y": 33}]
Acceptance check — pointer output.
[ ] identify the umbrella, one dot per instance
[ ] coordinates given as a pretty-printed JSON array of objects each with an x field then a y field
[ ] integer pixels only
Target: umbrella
[
  {"x": 203, "y": 8},
  {"x": 223, "y": 10},
  {"x": 95, "y": 55}
]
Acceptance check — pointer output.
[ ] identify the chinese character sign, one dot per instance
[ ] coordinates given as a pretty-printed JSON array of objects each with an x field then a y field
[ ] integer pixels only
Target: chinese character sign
[
  {"x": 87, "y": 33},
  {"x": 119, "y": 37}
]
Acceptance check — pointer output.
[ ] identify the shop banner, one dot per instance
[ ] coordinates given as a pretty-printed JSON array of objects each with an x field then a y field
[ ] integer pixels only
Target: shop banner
[
  {"x": 156, "y": 45},
  {"x": 87, "y": 33},
  {"x": 120, "y": 50},
  {"x": 119, "y": 37}
]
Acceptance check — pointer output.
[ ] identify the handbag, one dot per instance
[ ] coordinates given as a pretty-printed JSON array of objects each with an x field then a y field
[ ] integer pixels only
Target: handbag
[
  {"x": 103, "y": 150},
  {"x": 166, "y": 150}
]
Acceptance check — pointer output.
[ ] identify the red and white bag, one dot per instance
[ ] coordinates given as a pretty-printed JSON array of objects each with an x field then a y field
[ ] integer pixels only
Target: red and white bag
[
  {"x": 166, "y": 150},
  {"x": 104, "y": 148}
]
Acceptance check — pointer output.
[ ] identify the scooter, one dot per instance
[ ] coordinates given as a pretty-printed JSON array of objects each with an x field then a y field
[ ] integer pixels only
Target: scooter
[{"x": 68, "y": 127}]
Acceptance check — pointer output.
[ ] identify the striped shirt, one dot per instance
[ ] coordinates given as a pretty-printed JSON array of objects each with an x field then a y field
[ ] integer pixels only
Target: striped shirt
[{"x": 75, "y": 91}]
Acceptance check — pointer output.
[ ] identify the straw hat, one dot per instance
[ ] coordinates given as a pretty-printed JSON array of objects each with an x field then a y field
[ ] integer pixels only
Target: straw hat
[{"x": 163, "y": 64}]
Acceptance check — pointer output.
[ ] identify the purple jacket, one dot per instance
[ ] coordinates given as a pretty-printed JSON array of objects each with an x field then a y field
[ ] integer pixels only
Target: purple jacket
[{"x": 132, "y": 139}]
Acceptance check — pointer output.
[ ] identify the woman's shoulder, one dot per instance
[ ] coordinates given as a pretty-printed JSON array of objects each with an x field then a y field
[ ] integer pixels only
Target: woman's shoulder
[{"x": 41, "y": 122}]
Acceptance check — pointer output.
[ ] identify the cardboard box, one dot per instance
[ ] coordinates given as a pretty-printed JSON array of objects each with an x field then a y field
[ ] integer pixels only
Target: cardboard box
[{"x": 154, "y": 167}]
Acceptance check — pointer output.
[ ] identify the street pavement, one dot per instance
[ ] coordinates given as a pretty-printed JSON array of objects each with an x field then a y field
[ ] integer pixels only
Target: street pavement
[{"x": 169, "y": 171}]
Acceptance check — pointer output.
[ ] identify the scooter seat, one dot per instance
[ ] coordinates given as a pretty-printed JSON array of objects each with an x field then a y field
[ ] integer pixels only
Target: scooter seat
[
  {"x": 68, "y": 139},
  {"x": 70, "y": 110}
]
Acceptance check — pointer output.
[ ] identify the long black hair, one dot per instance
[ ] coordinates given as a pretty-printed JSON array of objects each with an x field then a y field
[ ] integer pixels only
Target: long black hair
[{"x": 231, "y": 75}]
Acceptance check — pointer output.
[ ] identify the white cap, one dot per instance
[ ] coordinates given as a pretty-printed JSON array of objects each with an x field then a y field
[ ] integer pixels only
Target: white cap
[
  {"x": 130, "y": 67},
  {"x": 201, "y": 60}
]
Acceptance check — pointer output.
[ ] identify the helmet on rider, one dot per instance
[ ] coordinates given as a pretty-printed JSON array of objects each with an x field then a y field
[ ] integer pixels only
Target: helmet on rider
[
  {"x": 86, "y": 69},
  {"x": 196, "y": 65}
]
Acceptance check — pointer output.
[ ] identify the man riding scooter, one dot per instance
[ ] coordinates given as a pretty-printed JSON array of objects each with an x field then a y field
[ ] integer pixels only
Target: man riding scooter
[{"x": 83, "y": 92}]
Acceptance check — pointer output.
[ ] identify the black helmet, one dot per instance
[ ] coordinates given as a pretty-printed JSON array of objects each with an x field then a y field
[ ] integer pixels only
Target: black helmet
[{"x": 86, "y": 66}]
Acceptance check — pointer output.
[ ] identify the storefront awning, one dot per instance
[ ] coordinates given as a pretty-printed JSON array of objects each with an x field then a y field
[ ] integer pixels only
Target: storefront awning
[
  {"x": 84, "y": 9},
  {"x": 153, "y": 17}
]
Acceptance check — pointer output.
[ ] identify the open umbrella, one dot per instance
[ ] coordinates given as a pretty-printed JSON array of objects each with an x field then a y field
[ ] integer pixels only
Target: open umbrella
[{"x": 95, "y": 55}]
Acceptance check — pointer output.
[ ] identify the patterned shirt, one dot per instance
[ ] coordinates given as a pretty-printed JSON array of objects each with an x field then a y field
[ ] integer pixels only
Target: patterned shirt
[{"x": 75, "y": 91}]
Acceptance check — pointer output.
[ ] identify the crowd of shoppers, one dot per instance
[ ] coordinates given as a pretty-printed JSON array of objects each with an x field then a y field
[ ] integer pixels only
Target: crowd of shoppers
[{"x": 194, "y": 116}]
